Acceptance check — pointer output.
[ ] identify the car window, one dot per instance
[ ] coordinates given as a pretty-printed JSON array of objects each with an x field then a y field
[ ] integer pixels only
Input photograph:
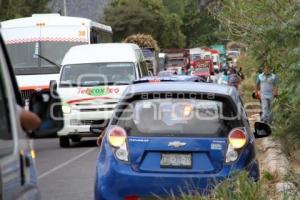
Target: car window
[
  {"x": 177, "y": 117},
  {"x": 6, "y": 142},
  {"x": 144, "y": 69}
]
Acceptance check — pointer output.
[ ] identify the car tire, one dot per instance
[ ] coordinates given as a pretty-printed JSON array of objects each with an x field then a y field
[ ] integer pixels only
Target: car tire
[{"x": 64, "y": 141}]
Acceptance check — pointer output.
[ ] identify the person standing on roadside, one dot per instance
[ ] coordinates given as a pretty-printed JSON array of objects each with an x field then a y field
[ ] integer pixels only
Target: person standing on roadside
[
  {"x": 233, "y": 78},
  {"x": 267, "y": 84}
]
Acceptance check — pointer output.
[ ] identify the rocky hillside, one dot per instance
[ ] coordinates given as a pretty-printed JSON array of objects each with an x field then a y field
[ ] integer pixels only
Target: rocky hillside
[{"x": 92, "y": 9}]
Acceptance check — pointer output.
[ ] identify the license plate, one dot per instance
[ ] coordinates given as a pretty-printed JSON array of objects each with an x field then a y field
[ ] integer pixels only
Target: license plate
[{"x": 176, "y": 160}]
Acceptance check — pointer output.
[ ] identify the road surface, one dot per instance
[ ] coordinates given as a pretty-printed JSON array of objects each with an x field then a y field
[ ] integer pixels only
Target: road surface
[{"x": 66, "y": 173}]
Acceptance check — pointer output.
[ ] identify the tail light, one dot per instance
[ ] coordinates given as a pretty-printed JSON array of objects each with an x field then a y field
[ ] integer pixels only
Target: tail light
[
  {"x": 237, "y": 138},
  {"x": 117, "y": 136},
  {"x": 117, "y": 139},
  {"x": 132, "y": 198}
]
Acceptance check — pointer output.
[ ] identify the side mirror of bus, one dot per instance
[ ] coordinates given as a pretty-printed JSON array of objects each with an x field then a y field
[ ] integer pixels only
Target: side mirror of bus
[
  {"x": 53, "y": 85},
  {"x": 47, "y": 105}
]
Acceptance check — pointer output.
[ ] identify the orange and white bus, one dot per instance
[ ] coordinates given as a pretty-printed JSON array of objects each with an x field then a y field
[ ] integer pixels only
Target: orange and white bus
[{"x": 35, "y": 44}]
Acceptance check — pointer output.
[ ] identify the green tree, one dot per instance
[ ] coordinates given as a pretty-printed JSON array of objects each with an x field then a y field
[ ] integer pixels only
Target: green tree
[
  {"x": 129, "y": 17},
  {"x": 11, "y": 9},
  {"x": 175, "y": 6},
  {"x": 199, "y": 26}
]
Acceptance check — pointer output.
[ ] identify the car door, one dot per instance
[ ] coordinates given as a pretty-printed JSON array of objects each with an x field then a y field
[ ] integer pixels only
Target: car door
[{"x": 15, "y": 180}]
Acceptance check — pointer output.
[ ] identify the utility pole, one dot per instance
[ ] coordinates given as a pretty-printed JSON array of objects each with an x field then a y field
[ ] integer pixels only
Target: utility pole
[{"x": 65, "y": 7}]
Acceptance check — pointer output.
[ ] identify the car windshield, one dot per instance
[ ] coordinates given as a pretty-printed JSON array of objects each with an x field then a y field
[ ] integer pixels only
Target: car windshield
[
  {"x": 176, "y": 62},
  {"x": 201, "y": 69},
  {"x": 92, "y": 74},
  {"x": 195, "y": 56},
  {"x": 165, "y": 73},
  {"x": 23, "y": 56},
  {"x": 176, "y": 117}
]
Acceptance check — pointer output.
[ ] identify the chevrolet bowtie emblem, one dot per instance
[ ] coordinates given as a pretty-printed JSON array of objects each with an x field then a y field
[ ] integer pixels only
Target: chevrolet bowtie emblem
[{"x": 176, "y": 144}]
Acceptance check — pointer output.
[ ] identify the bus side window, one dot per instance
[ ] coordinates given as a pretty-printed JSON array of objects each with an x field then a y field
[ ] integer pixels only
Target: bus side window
[
  {"x": 93, "y": 36},
  {"x": 106, "y": 37},
  {"x": 6, "y": 139}
]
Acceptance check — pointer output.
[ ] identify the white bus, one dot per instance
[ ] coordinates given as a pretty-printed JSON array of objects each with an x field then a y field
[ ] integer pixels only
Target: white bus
[{"x": 31, "y": 41}]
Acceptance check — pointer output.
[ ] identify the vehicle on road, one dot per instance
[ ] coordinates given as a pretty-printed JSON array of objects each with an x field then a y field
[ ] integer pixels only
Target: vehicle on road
[
  {"x": 18, "y": 175},
  {"x": 202, "y": 68},
  {"x": 170, "y": 138},
  {"x": 37, "y": 45},
  {"x": 195, "y": 54},
  {"x": 177, "y": 60},
  {"x": 92, "y": 79}
]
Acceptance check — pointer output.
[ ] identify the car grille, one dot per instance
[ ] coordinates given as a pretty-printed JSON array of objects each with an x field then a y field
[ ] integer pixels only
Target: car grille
[
  {"x": 25, "y": 94},
  {"x": 81, "y": 122}
]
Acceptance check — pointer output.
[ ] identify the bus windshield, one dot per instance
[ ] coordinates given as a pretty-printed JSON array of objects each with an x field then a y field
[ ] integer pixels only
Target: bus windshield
[{"x": 24, "y": 59}]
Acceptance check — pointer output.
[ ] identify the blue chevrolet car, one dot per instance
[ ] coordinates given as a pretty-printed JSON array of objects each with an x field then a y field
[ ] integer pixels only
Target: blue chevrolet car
[{"x": 170, "y": 138}]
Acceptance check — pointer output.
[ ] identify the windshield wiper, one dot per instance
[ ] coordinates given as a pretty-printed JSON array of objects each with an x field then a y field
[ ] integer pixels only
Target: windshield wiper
[{"x": 46, "y": 59}]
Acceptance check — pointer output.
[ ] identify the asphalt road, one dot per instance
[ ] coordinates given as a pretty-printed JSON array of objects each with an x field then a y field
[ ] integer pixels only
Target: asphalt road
[{"x": 66, "y": 173}]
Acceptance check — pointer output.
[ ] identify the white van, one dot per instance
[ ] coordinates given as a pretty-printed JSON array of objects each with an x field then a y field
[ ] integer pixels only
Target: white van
[{"x": 92, "y": 79}]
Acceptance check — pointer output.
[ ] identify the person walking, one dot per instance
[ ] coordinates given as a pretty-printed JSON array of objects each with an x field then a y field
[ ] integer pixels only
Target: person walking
[{"x": 267, "y": 86}]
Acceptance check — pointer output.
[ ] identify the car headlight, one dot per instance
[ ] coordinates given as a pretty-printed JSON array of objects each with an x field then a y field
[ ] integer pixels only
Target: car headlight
[{"x": 66, "y": 108}]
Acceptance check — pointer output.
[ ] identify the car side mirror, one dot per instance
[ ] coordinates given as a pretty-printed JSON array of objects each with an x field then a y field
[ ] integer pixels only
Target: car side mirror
[
  {"x": 47, "y": 105},
  {"x": 53, "y": 85},
  {"x": 262, "y": 130}
]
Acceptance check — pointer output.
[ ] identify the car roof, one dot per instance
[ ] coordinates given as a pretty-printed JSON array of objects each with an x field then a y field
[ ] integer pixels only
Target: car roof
[
  {"x": 177, "y": 86},
  {"x": 170, "y": 78},
  {"x": 101, "y": 53}
]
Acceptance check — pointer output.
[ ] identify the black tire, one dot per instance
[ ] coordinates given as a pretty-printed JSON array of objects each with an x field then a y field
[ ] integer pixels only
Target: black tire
[{"x": 64, "y": 142}]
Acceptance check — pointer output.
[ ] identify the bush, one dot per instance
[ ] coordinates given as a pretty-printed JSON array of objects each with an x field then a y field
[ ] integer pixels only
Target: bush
[{"x": 238, "y": 187}]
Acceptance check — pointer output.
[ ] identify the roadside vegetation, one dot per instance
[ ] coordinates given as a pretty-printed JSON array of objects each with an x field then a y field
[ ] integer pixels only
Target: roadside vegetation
[
  {"x": 11, "y": 9},
  {"x": 271, "y": 30},
  {"x": 173, "y": 23}
]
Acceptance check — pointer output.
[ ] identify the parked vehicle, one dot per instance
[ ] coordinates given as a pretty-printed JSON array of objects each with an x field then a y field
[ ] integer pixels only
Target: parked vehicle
[
  {"x": 18, "y": 174},
  {"x": 92, "y": 79},
  {"x": 37, "y": 44},
  {"x": 150, "y": 50},
  {"x": 174, "y": 138}
]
